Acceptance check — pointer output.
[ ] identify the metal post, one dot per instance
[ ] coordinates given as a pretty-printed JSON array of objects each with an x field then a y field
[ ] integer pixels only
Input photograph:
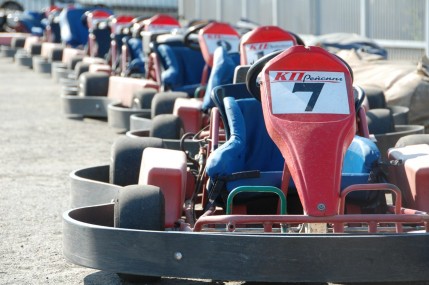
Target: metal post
[
  {"x": 219, "y": 10},
  {"x": 427, "y": 29},
  {"x": 275, "y": 12},
  {"x": 364, "y": 18},
  {"x": 197, "y": 9},
  {"x": 316, "y": 18},
  {"x": 180, "y": 9},
  {"x": 244, "y": 9}
]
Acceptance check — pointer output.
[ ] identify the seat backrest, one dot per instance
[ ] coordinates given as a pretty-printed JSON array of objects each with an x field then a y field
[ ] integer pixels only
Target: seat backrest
[
  {"x": 182, "y": 66},
  {"x": 222, "y": 73},
  {"x": 237, "y": 91},
  {"x": 73, "y": 32}
]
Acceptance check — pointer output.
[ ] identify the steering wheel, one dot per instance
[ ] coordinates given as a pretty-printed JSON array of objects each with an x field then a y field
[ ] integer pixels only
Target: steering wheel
[
  {"x": 192, "y": 43},
  {"x": 359, "y": 96},
  {"x": 254, "y": 70}
]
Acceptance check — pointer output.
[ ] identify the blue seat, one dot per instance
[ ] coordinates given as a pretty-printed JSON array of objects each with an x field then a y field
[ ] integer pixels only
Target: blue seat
[
  {"x": 222, "y": 73},
  {"x": 73, "y": 32},
  {"x": 183, "y": 67},
  {"x": 102, "y": 37},
  {"x": 137, "y": 59}
]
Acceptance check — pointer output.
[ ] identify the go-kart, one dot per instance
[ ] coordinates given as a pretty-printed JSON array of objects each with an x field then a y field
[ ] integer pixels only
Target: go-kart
[{"x": 331, "y": 221}]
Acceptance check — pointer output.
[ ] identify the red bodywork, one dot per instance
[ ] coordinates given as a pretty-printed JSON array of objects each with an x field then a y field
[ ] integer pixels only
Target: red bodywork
[
  {"x": 313, "y": 144},
  {"x": 262, "y": 41},
  {"x": 217, "y": 34}
]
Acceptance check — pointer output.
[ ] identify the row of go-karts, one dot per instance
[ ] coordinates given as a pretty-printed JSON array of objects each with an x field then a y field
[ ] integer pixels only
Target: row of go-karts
[{"x": 248, "y": 155}]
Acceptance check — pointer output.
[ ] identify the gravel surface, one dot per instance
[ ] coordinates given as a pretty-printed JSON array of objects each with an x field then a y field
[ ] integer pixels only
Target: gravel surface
[{"x": 39, "y": 147}]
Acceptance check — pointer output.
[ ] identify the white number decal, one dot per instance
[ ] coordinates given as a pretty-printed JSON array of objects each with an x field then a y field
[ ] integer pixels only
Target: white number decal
[
  {"x": 304, "y": 92},
  {"x": 229, "y": 42},
  {"x": 255, "y": 51}
]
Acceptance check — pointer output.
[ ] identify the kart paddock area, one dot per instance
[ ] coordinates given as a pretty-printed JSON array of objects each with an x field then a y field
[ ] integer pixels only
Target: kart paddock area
[{"x": 39, "y": 147}]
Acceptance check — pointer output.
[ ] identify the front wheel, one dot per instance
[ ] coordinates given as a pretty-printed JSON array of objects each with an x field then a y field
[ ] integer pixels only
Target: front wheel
[{"x": 139, "y": 207}]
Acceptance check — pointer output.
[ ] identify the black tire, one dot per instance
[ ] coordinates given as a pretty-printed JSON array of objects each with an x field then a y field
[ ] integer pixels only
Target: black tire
[
  {"x": 80, "y": 68},
  {"x": 139, "y": 207},
  {"x": 36, "y": 49},
  {"x": 380, "y": 121},
  {"x": 17, "y": 42},
  {"x": 56, "y": 55},
  {"x": 94, "y": 84},
  {"x": 413, "y": 140},
  {"x": 167, "y": 126},
  {"x": 73, "y": 61},
  {"x": 126, "y": 156},
  {"x": 375, "y": 97},
  {"x": 142, "y": 99},
  {"x": 163, "y": 102},
  {"x": 11, "y": 6}
]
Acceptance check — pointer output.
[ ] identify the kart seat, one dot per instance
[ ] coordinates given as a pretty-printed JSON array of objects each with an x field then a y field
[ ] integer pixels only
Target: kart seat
[
  {"x": 182, "y": 68},
  {"x": 102, "y": 37},
  {"x": 137, "y": 61},
  {"x": 222, "y": 73},
  {"x": 73, "y": 32}
]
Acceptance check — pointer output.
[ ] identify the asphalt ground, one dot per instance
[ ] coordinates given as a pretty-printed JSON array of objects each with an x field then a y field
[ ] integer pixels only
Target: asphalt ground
[{"x": 39, "y": 147}]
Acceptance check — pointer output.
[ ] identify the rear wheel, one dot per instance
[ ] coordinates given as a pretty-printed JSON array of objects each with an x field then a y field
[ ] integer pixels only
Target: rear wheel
[
  {"x": 167, "y": 126},
  {"x": 139, "y": 207},
  {"x": 126, "y": 159},
  {"x": 380, "y": 121},
  {"x": 142, "y": 99},
  {"x": 413, "y": 140}
]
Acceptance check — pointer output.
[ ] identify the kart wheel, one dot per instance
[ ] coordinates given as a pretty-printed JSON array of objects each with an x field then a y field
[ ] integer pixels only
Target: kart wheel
[
  {"x": 126, "y": 158},
  {"x": 163, "y": 102},
  {"x": 56, "y": 55},
  {"x": 166, "y": 126},
  {"x": 35, "y": 49},
  {"x": 80, "y": 68},
  {"x": 375, "y": 97},
  {"x": 94, "y": 83},
  {"x": 17, "y": 42},
  {"x": 142, "y": 99},
  {"x": 380, "y": 121},
  {"x": 413, "y": 140},
  {"x": 73, "y": 61},
  {"x": 139, "y": 207}
]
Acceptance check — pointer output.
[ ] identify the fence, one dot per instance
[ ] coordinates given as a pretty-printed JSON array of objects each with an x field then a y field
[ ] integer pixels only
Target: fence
[{"x": 401, "y": 26}]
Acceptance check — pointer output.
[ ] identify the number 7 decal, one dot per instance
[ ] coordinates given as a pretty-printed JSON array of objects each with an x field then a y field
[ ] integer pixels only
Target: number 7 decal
[{"x": 315, "y": 88}]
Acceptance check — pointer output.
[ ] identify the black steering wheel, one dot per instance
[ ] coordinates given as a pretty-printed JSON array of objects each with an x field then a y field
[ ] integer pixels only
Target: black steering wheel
[
  {"x": 359, "y": 96},
  {"x": 254, "y": 70},
  {"x": 192, "y": 43}
]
